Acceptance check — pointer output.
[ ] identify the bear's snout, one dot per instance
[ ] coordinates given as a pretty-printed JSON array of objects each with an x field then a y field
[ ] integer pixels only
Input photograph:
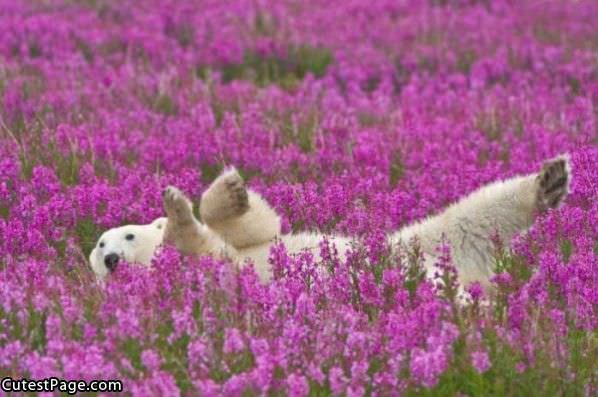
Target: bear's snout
[{"x": 111, "y": 260}]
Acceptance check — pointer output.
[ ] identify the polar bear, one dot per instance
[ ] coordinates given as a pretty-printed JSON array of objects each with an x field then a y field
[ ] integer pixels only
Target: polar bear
[
  {"x": 132, "y": 243},
  {"x": 239, "y": 224}
]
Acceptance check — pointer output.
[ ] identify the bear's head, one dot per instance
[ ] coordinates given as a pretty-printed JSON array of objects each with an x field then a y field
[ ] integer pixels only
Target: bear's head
[{"x": 131, "y": 243}]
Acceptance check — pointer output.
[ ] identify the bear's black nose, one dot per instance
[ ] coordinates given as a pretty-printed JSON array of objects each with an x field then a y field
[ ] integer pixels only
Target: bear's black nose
[{"x": 111, "y": 260}]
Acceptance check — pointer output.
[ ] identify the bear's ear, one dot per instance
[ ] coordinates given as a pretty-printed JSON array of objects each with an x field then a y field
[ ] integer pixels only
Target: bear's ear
[{"x": 160, "y": 223}]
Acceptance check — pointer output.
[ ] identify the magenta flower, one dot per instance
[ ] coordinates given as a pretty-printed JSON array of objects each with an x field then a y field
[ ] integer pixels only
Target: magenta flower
[
  {"x": 480, "y": 361},
  {"x": 151, "y": 360},
  {"x": 427, "y": 366},
  {"x": 233, "y": 341},
  {"x": 297, "y": 385}
]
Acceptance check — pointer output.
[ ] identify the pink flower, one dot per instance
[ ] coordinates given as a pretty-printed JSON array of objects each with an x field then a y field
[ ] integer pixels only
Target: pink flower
[
  {"x": 338, "y": 381},
  {"x": 151, "y": 360},
  {"x": 475, "y": 290},
  {"x": 233, "y": 341},
  {"x": 427, "y": 366},
  {"x": 480, "y": 361},
  {"x": 297, "y": 385}
]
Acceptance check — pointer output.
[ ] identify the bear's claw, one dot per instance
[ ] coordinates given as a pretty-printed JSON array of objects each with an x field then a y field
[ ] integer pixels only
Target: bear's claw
[{"x": 553, "y": 183}]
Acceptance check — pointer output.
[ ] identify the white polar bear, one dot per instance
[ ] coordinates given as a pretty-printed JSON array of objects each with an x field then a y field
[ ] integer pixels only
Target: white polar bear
[
  {"x": 132, "y": 243},
  {"x": 240, "y": 225}
]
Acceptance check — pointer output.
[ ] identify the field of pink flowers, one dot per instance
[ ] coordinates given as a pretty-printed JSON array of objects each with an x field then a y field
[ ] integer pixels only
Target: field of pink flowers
[{"x": 349, "y": 116}]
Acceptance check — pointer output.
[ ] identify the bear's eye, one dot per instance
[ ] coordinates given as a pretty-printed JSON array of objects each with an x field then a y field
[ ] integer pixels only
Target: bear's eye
[
  {"x": 102, "y": 244},
  {"x": 130, "y": 236}
]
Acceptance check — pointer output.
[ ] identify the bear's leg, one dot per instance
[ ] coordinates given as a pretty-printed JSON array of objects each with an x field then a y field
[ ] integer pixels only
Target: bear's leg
[
  {"x": 500, "y": 209},
  {"x": 240, "y": 216},
  {"x": 187, "y": 233}
]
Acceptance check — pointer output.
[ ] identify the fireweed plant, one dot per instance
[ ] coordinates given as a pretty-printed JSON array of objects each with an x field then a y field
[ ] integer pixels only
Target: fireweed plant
[{"x": 354, "y": 117}]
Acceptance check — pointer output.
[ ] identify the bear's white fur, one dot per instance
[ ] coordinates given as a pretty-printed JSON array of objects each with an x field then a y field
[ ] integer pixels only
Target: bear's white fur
[
  {"x": 140, "y": 249},
  {"x": 239, "y": 224}
]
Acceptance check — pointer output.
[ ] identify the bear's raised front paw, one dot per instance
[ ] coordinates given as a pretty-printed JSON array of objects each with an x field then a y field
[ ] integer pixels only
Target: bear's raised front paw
[
  {"x": 177, "y": 206},
  {"x": 237, "y": 193},
  {"x": 226, "y": 198},
  {"x": 553, "y": 183}
]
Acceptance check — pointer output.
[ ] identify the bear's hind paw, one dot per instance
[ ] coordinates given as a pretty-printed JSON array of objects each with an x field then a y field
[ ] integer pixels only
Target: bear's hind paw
[
  {"x": 226, "y": 198},
  {"x": 237, "y": 194},
  {"x": 553, "y": 183}
]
